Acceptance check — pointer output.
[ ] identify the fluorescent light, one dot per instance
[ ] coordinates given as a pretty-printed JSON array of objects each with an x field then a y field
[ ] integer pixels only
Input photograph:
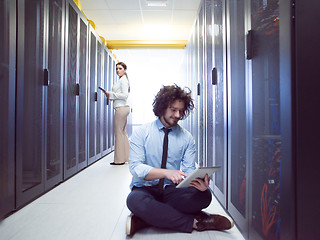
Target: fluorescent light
[{"x": 157, "y": 3}]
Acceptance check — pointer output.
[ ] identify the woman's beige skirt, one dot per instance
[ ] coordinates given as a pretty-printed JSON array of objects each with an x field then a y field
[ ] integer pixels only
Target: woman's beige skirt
[{"x": 121, "y": 145}]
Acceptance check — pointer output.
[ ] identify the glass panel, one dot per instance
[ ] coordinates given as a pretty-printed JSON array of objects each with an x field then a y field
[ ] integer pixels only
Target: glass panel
[
  {"x": 238, "y": 107},
  {"x": 92, "y": 113},
  {"x": 83, "y": 90},
  {"x": 266, "y": 139},
  {"x": 218, "y": 30},
  {"x": 104, "y": 102},
  {"x": 200, "y": 80},
  {"x": 209, "y": 86},
  {"x": 54, "y": 126},
  {"x": 98, "y": 136},
  {"x": 194, "y": 85},
  {"x": 110, "y": 132},
  {"x": 71, "y": 82},
  {"x": 32, "y": 105}
]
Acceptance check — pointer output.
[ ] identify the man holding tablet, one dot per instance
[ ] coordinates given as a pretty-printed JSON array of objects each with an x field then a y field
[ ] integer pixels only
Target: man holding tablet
[{"x": 162, "y": 154}]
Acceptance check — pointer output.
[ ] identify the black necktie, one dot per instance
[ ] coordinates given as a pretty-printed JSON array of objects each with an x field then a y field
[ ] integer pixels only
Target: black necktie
[{"x": 164, "y": 154}]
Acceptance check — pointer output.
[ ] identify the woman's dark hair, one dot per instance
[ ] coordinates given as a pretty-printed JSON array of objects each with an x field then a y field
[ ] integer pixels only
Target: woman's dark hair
[
  {"x": 122, "y": 64},
  {"x": 125, "y": 68},
  {"x": 167, "y": 95}
]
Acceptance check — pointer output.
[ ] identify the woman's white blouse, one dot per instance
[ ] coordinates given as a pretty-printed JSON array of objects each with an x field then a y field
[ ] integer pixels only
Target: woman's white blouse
[{"x": 120, "y": 92}]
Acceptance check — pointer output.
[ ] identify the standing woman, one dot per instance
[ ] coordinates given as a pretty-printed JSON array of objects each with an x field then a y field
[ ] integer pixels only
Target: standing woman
[{"x": 119, "y": 95}]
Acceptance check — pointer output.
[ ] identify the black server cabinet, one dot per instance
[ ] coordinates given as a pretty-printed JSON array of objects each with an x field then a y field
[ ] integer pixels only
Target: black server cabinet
[
  {"x": 299, "y": 95},
  {"x": 219, "y": 101},
  {"x": 201, "y": 88},
  {"x": 110, "y": 109},
  {"x": 39, "y": 98},
  {"x": 237, "y": 115},
  {"x": 210, "y": 78},
  {"x": 54, "y": 100},
  {"x": 75, "y": 91},
  {"x": 99, "y": 140},
  {"x": 105, "y": 103},
  {"x": 95, "y": 95},
  {"x": 264, "y": 140},
  {"x": 265, "y": 57},
  {"x": 7, "y": 105}
]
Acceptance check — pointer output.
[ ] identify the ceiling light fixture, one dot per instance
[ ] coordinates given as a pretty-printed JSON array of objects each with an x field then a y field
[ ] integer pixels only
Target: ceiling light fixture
[{"x": 157, "y": 3}]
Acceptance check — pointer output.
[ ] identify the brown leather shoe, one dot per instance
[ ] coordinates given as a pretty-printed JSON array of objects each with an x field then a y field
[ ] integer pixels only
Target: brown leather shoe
[
  {"x": 213, "y": 222},
  {"x": 134, "y": 224}
]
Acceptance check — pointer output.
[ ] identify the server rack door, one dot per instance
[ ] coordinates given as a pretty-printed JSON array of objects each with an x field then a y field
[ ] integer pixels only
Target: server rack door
[
  {"x": 110, "y": 109},
  {"x": 92, "y": 97},
  {"x": 220, "y": 103},
  {"x": 201, "y": 89},
  {"x": 30, "y": 141},
  {"x": 105, "y": 103},
  {"x": 114, "y": 79},
  {"x": 192, "y": 80},
  {"x": 195, "y": 85},
  {"x": 99, "y": 99},
  {"x": 237, "y": 130},
  {"x": 71, "y": 101},
  {"x": 266, "y": 136},
  {"x": 7, "y": 104},
  {"x": 54, "y": 110},
  {"x": 210, "y": 78},
  {"x": 83, "y": 68}
]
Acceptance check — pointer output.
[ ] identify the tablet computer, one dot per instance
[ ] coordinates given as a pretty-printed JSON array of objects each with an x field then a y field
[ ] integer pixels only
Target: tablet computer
[
  {"x": 200, "y": 172},
  {"x": 102, "y": 89}
]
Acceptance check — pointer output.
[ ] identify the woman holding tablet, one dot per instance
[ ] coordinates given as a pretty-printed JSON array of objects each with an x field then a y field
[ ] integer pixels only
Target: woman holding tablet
[{"x": 119, "y": 96}]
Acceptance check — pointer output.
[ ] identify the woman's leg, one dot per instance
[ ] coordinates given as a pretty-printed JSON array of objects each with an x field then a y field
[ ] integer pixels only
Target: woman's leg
[{"x": 121, "y": 148}]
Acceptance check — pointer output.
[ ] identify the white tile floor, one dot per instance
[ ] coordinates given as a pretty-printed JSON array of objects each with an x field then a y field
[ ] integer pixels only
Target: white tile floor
[{"x": 91, "y": 206}]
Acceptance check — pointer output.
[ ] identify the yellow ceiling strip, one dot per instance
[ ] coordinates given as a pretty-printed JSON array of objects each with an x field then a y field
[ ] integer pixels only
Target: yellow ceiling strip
[{"x": 130, "y": 44}]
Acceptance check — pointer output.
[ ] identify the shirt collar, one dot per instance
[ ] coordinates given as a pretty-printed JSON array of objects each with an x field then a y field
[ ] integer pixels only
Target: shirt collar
[{"x": 160, "y": 125}]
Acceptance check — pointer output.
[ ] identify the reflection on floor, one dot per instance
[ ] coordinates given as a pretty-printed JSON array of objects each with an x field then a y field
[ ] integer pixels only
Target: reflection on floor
[{"x": 91, "y": 206}]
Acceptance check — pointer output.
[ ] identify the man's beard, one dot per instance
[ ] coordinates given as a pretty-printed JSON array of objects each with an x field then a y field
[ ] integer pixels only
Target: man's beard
[{"x": 167, "y": 121}]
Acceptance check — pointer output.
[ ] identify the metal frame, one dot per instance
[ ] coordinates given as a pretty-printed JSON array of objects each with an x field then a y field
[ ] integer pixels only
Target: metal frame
[{"x": 7, "y": 200}]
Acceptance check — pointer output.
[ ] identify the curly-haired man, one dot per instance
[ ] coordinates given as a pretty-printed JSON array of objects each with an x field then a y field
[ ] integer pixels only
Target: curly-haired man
[{"x": 154, "y": 199}]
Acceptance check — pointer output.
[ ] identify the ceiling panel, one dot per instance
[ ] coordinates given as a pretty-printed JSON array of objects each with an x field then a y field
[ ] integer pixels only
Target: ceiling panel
[
  {"x": 127, "y": 16},
  {"x": 123, "y": 4},
  {"x": 187, "y": 4},
  {"x": 157, "y": 17},
  {"x": 93, "y": 4},
  {"x": 186, "y": 17},
  {"x": 134, "y": 20},
  {"x": 100, "y": 16}
]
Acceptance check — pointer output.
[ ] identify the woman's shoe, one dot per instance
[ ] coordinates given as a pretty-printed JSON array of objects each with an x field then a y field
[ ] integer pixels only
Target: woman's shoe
[{"x": 113, "y": 163}]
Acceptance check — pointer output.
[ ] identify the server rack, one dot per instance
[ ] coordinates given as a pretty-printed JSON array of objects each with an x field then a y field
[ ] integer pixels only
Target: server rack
[
  {"x": 7, "y": 105},
  {"x": 237, "y": 112},
  {"x": 54, "y": 99},
  {"x": 105, "y": 103},
  {"x": 264, "y": 58},
  {"x": 39, "y": 98},
  {"x": 75, "y": 157},
  {"x": 43, "y": 71},
  {"x": 95, "y": 95}
]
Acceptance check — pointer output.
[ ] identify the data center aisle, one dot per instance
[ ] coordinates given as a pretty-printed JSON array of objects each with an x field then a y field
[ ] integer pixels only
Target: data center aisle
[{"x": 91, "y": 205}]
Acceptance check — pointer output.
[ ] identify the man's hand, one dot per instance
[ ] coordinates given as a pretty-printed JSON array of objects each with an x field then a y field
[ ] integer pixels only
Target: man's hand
[
  {"x": 201, "y": 184},
  {"x": 176, "y": 176}
]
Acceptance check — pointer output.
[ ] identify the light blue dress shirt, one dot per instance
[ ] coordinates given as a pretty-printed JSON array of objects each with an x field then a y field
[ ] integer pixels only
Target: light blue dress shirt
[{"x": 146, "y": 152}]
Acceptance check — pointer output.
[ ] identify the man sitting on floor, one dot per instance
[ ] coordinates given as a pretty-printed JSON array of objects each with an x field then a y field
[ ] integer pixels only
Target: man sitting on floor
[{"x": 158, "y": 150}]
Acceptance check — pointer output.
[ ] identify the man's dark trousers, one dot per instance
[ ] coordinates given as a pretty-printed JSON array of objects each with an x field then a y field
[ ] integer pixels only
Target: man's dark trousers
[{"x": 173, "y": 208}]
